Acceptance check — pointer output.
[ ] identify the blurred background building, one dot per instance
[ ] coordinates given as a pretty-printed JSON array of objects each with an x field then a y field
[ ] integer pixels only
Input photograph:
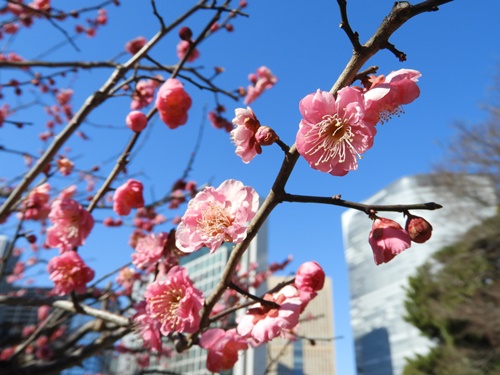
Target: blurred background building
[
  {"x": 313, "y": 352},
  {"x": 382, "y": 338}
]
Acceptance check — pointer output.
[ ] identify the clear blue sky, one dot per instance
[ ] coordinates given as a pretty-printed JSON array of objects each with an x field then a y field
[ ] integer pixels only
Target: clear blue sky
[{"x": 456, "y": 49}]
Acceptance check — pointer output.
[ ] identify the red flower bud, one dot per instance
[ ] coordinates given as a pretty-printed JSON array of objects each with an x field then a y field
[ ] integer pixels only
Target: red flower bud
[
  {"x": 185, "y": 33},
  {"x": 419, "y": 229}
]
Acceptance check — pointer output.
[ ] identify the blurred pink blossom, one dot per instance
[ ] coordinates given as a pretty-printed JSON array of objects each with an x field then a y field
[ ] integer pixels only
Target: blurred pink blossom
[
  {"x": 36, "y": 206},
  {"x": 128, "y": 196},
  {"x": 71, "y": 224},
  {"x": 135, "y": 45},
  {"x": 69, "y": 273},
  {"x": 149, "y": 250},
  {"x": 173, "y": 103},
  {"x": 264, "y": 81},
  {"x": 183, "y": 47},
  {"x": 223, "y": 347}
]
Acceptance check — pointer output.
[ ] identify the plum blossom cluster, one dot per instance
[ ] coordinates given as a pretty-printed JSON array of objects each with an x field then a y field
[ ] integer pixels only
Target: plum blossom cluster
[
  {"x": 217, "y": 215},
  {"x": 261, "y": 81},
  {"x": 335, "y": 131},
  {"x": 388, "y": 239}
]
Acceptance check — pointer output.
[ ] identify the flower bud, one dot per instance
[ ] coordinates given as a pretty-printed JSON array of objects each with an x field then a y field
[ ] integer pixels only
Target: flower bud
[
  {"x": 185, "y": 33},
  {"x": 136, "y": 121},
  {"x": 310, "y": 277},
  {"x": 419, "y": 229},
  {"x": 266, "y": 136}
]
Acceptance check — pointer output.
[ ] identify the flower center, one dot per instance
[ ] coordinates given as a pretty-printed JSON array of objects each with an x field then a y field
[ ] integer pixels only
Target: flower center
[
  {"x": 215, "y": 220},
  {"x": 165, "y": 307},
  {"x": 333, "y": 136}
]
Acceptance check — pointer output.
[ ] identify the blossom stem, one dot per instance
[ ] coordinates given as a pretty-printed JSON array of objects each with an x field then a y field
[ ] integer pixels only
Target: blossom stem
[{"x": 262, "y": 301}]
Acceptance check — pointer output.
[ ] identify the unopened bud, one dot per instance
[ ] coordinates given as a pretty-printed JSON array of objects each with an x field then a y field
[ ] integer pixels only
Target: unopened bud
[
  {"x": 185, "y": 33},
  {"x": 136, "y": 121},
  {"x": 31, "y": 238},
  {"x": 266, "y": 136},
  {"x": 419, "y": 229}
]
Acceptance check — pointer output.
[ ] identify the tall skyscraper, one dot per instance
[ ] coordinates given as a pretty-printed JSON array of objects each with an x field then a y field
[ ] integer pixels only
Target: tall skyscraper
[
  {"x": 382, "y": 338},
  {"x": 313, "y": 352}
]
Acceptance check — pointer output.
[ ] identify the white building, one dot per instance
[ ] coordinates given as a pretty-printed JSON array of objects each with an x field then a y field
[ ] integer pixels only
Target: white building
[{"x": 382, "y": 338}]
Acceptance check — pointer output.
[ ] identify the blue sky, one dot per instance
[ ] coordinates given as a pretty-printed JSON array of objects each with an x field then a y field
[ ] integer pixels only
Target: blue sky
[{"x": 456, "y": 50}]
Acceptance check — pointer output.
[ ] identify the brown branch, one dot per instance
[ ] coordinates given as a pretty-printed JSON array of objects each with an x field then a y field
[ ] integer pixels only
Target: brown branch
[
  {"x": 345, "y": 25},
  {"x": 366, "y": 208},
  {"x": 57, "y": 365},
  {"x": 400, "y": 13}
]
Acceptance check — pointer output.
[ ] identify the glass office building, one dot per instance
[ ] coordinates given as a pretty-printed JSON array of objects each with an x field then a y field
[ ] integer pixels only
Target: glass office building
[{"x": 382, "y": 338}]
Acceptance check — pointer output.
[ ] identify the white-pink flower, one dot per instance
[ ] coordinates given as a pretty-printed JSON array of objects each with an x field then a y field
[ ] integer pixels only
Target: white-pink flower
[
  {"x": 264, "y": 323},
  {"x": 217, "y": 215},
  {"x": 243, "y": 135},
  {"x": 174, "y": 302},
  {"x": 332, "y": 134},
  {"x": 71, "y": 224}
]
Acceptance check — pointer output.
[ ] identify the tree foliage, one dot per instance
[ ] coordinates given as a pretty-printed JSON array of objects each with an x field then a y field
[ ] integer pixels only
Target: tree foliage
[{"x": 454, "y": 299}]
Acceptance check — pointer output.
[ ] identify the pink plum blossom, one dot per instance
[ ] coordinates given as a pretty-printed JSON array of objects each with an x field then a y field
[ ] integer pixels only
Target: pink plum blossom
[
  {"x": 387, "y": 239},
  {"x": 69, "y": 273},
  {"x": 243, "y": 135},
  {"x": 262, "y": 81},
  {"x": 143, "y": 94},
  {"x": 223, "y": 347},
  {"x": 173, "y": 103},
  {"x": 71, "y": 224},
  {"x": 128, "y": 196},
  {"x": 36, "y": 206},
  {"x": 149, "y": 250},
  {"x": 174, "y": 302},
  {"x": 386, "y": 95},
  {"x": 264, "y": 323},
  {"x": 182, "y": 49},
  {"x": 65, "y": 166},
  {"x": 135, "y": 45},
  {"x": 214, "y": 216},
  {"x": 332, "y": 133}
]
